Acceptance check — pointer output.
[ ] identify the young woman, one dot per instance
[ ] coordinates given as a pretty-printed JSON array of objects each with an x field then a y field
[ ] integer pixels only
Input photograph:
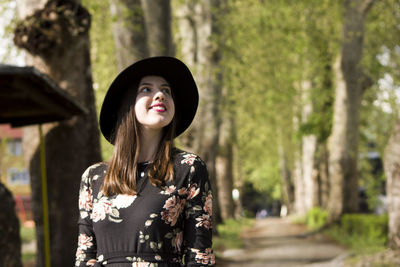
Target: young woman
[{"x": 151, "y": 205}]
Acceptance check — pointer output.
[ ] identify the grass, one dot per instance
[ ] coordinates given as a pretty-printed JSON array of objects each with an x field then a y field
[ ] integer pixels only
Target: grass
[
  {"x": 229, "y": 234},
  {"x": 363, "y": 233},
  {"x": 27, "y": 234},
  {"x": 28, "y": 257}
]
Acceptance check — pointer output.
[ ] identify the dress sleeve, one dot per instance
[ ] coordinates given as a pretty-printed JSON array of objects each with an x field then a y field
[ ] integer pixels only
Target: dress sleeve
[
  {"x": 86, "y": 251},
  {"x": 198, "y": 224}
]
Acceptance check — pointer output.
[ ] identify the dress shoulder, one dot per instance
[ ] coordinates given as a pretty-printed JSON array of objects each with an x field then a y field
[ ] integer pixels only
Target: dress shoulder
[
  {"x": 94, "y": 172},
  {"x": 185, "y": 158},
  {"x": 190, "y": 168}
]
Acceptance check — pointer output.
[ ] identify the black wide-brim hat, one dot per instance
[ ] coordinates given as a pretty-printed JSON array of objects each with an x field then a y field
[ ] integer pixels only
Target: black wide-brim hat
[{"x": 174, "y": 71}]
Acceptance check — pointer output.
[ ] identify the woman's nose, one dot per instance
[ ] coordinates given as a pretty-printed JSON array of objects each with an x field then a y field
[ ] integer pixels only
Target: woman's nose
[{"x": 159, "y": 96}]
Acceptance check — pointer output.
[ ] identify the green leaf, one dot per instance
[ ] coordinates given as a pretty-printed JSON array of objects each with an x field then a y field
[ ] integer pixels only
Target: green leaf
[
  {"x": 169, "y": 235},
  {"x": 115, "y": 212},
  {"x": 197, "y": 208},
  {"x": 153, "y": 245}
]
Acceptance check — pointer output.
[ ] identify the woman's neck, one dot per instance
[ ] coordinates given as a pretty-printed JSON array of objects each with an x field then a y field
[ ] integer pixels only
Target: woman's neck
[{"x": 149, "y": 141}]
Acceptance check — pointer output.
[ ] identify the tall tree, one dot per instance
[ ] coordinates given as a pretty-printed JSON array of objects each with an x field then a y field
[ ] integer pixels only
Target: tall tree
[
  {"x": 55, "y": 34},
  {"x": 392, "y": 170},
  {"x": 129, "y": 31},
  {"x": 224, "y": 168},
  {"x": 141, "y": 29},
  {"x": 350, "y": 85},
  {"x": 316, "y": 93},
  {"x": 197, "y": 25},
  {"x": 305, "y": 182},
  {"x": 158, "y": 19}
]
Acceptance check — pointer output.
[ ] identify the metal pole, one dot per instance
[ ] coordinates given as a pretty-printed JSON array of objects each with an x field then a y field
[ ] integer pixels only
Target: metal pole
[{"x": 45, "y": 205}]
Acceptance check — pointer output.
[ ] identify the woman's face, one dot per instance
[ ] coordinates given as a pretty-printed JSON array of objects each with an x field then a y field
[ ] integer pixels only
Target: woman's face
[{"x": 154, "y": 106}]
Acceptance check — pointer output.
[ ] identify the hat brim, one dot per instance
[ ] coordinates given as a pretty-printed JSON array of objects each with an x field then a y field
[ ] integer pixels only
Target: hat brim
[{"x": 174, "y": 71}]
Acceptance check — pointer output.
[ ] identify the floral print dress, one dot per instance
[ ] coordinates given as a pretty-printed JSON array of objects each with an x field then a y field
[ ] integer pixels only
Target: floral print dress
[{"x": 156, "y": 228}]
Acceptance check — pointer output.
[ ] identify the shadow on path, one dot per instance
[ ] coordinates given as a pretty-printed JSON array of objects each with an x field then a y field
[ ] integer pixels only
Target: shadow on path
[{"x": 277, "y": 242}]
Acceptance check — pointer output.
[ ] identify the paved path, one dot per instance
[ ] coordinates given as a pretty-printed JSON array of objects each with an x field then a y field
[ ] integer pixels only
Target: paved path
[{"x": 275, "y": 242}]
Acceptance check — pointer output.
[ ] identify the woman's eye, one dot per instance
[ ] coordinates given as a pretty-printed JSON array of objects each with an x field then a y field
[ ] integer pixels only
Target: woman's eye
[
  {"x": 166, "y": 91},
  {"x": 145, "y": 90}
]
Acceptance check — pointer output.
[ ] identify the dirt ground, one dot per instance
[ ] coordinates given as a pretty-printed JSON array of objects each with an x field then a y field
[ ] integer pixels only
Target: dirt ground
[{"x": 276, "y": 242}]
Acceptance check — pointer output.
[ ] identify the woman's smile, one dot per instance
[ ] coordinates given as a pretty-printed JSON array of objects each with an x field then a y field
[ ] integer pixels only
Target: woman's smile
[{"x": 159, "y": 107}]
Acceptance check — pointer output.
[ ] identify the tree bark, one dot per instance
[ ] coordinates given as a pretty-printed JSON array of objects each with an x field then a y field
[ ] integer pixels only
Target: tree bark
[
  {"x": 130, "y": 37},
  {"x": 61, "y": 50},
  {"x": 309, "y": 147},
  {"x": 141, "y": 29},
  {"x": 298, "y": 182},
  {"x": 350, "y": 83},
  {"x": 10, "y": 242},
  {"x": 392, "y": 171},
  {"x": 157, "y": 15},
  {"x": 323, "y": 175},
  {"x": 224, "y": 167},
  {"x": 197, "y": 23},
  {"x": 288, "y": 189}
]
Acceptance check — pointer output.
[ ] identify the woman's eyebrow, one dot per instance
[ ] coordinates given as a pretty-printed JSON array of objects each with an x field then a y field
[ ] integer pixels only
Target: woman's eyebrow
[
  {"x": 164, "y": 84},
  {"x": 145, "y": 84}
]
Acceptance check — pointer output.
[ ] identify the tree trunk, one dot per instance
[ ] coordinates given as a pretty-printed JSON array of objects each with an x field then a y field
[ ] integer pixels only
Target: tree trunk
[
  {"x": 197, "y": 22},
  {"x": 61, "y": 50},
  {"x": 323, "y": 175},
  {"x": 298, "y": 182},
  {"x": 130, "y": 37},
  {"x": 288, "y": 189},
  {"x": 304, "y": 172},
  {"x": 309, "y": 145},
  {"x": 10, "y": 242},
  {"x": 224, "y": 167},
  {"x": 157, "y": 15},
  {"x": 141, "y": 29},
  {"x": 350, "y": 83},
  {"x": 299, "y": 206},
  {"x": 392, "y": 170}
]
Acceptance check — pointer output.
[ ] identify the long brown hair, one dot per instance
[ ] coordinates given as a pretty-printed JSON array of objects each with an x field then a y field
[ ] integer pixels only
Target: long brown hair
[{"x": 121, "y": 173}]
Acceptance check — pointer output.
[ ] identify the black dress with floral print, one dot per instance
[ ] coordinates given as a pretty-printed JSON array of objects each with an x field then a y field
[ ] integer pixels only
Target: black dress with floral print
[{"x": 157, "y": 227}]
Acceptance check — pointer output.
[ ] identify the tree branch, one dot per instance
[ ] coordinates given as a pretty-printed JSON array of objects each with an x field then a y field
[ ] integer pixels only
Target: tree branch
[
  {"x": 366, "y": 82},
  {"x": 366, "y": 5}
]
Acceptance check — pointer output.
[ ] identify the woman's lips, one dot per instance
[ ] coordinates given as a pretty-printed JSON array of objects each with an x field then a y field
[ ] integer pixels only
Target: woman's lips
[{"x": 159, "y": 107}]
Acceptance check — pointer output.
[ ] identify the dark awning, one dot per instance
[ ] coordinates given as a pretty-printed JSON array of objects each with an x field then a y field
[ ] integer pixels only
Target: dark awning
[{"x": 30, "y": 97}]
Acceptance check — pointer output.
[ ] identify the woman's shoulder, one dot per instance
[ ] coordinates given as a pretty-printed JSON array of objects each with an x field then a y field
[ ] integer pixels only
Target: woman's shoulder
[
  {"x": 189, "y": 167},
  {"x": 94, "y": 172},
  {"x": 185, "y": 158}
]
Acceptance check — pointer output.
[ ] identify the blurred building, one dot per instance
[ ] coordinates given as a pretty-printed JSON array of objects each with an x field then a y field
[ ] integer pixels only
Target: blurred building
[{"x": 13, "y": 171}]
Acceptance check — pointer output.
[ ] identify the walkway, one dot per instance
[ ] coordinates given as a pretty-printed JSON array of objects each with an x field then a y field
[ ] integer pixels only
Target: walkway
[{"x": 275, "y": 242}]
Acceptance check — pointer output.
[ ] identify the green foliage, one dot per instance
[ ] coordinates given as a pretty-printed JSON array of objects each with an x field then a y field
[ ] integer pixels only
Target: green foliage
[
  {"x": 10, "y": 54},
  {"x": 28, "y": 257},
  {"x": 104, "y": 66},
  {"x": 260, "y": 94},
  {"x": 267, "y": 59},
  {"x": 229, "y": 234},
  {"x": 361, "y": 232},
  {"x": 28, "y": 234},
  {"x": 271, "y": 57},
  {"x": 372, "y": 178},
  {"x": 316, "y": 218}
]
